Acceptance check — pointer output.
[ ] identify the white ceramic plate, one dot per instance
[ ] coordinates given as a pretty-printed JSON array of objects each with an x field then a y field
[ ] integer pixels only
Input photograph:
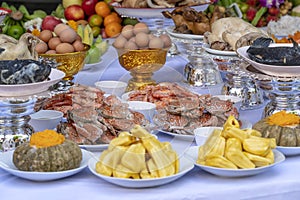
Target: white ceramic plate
[
  {"x": 275, "y": 70},
  {"x": 245, "y": 124},
  {"x": 150, "y": 12},
  {"x": 207, "y": 48},
  {"x": 186, "y": 165},
  {"x": 289, "y": 151},
  {"x": 96, "y": 147},
  {"x": 170, "y": 30},
  {"x": 7, "y": 165},
  {"x": 32, "y": 88},
  {"x": 192, "y": 152}
]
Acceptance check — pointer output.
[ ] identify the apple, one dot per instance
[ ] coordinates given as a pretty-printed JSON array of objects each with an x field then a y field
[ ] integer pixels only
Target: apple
[
  {"x": 74, "y": 12},
  {"x": 49, "y": 22},
  {"x": 89, "y": 7},
  {"x": 67, "y": 3}
]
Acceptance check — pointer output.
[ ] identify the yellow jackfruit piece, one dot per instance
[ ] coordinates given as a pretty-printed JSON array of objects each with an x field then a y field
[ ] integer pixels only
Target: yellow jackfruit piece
[
  {"x": 253, "y": 132},
  {"x": 219, "y": 161},
  {"x": 144, "y": 174},
  {"x": 134, "y": 158},
  {"x": 212, "y": 142},
  {"x": 103, "y": 169},
  {"x": 231, "y": 122},
  {"x": 112, "y": 158},
  {"x": 218, "y": 148},
  {"x": 271, "y": 157},
  {"x": 233, "y": 143},
  {"x": 152, "y": 168},
  {"x": 234, "y": 132},
  {"x": 257, "y": 145},
  {"x": 122, "y": 172},
  {"x": 159, "y": 155},
  {"x": 259, "y": 161},
  {"x": 139, "y": 132},
  {"x": 201, "y": 156},
  {"x": 239, "y": 159},
  {"x": 123, "y": 139}
]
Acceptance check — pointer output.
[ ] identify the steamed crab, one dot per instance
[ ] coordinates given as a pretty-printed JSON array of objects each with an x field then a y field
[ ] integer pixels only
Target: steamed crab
[
  {"x": 181, "y": 111},
  {"x": 188, "y": 115},
  {"x": 92, "y": 118}
]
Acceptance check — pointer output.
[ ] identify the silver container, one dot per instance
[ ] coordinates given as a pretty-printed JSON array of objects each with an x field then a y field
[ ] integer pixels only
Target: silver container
[{"x": 201, "y": 71}]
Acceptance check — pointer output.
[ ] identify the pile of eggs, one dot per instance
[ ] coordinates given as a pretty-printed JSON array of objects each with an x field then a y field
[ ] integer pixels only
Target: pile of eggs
[
  {"x": 139, "y": 37},
  {"x": 64, "y": 39}
]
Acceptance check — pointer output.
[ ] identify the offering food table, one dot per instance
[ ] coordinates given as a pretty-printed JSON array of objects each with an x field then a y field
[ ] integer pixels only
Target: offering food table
[{"x": 280, "y": 182}]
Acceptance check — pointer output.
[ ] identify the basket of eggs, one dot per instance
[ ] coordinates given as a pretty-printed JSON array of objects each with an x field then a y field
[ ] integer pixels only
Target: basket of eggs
[
  {"x": 141, "y": 53},
  {"x": 65, "y": 46}
]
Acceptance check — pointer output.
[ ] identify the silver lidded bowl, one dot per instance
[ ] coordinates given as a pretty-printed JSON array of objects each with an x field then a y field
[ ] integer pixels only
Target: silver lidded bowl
[{"x": 201, "y": 71}]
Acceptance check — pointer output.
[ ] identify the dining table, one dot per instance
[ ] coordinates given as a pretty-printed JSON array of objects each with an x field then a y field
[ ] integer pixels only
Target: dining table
[{"x": 277, "y": 183}]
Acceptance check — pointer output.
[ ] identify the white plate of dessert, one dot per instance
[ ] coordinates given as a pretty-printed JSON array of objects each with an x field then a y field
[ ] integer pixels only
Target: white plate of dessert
[{"x": 7, "y": 164}]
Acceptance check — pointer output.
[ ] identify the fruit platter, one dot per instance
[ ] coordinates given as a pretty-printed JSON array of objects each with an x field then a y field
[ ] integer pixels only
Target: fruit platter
[{"x": 142, "y": 142}]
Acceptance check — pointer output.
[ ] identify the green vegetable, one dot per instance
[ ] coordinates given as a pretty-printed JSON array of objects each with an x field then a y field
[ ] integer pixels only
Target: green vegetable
[
  {"x": 129, "y": 21},
  {"x": 24, "y": 10},
  {"x": 5, "y": 5},
  {"x": 243, "y": 7},
  {"x": 258, "y": 15}
]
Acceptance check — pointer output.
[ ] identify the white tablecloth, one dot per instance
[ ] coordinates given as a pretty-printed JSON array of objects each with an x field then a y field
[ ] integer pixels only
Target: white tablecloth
[{"x": 281, "y": 182}]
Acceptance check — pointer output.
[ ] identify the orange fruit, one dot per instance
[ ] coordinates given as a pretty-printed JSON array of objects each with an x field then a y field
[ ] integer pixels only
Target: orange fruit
[
  {"x": 95, "y": 20},
  {"x": 111, "y": 18},
  {"x": 102, "y": 9},
  {"x": 113, "y": 29}
]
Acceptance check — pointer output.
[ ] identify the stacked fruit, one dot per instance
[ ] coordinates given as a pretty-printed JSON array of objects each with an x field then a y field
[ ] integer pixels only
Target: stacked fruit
[
  {"x": 13, "y": 24},
  {"x": 99, "y": 15}
]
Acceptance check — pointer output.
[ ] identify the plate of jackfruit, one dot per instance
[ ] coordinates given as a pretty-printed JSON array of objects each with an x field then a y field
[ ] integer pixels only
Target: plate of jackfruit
[
  {"x": 224, "y": 171},
  {"x": 137, "y": 159},
  {"x": 234, "y": 152}
]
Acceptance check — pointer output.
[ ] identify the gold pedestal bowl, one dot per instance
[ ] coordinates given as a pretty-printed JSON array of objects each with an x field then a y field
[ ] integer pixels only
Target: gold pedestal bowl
[
  {"x": 69, "y": 63},
  {"x": 141, "y": 64}
]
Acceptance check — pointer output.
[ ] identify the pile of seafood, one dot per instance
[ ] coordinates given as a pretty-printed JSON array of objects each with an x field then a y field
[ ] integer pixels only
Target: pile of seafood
[
  {"x": 158, "y": 3},
  {"x": 231, "y": 33},
  {"x": 92, "y": 117},
  {"x": 189, "y": 21},
  {"x": 181, "y": 111},
  {"x": 261, "y": 52}
]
